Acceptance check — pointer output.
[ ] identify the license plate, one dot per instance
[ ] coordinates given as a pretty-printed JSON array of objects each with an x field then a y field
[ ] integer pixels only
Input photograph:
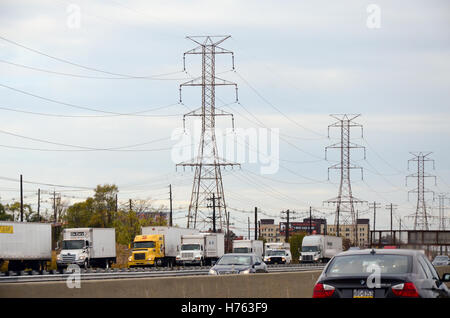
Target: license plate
[{"x": 362, "y": 293}]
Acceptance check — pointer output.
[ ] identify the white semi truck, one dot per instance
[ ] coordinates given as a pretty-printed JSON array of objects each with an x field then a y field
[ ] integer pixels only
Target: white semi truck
[
  {"x": 277, "y": 253},
  {"x": 320, "y": 248},
  {"x": 88, "y": 247},
  {"x": 249, "y": 246},
  {"x": 25, "y": 245},
  {"x": 201, "y": 249}
]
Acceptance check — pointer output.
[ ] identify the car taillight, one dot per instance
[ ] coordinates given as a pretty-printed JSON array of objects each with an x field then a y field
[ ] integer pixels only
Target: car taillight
[
  {"x": 323, "y": 291},
  {"x": 405, "y": 290}
]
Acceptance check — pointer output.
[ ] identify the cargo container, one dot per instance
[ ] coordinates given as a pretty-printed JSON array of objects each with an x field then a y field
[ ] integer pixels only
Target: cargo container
[
  {"x": 88, "y": 247},
  {"x": 157, "y": 246},
  {"x": 25, "y": 245},
  {"x": 201, "y": 249},
  {"x": 249, "y": 246}
]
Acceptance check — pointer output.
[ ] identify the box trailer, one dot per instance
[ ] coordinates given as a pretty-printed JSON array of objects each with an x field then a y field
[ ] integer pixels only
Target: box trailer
[
  {"x": 25, "y": 245},
  {"x": 201, "y": 249},
  {"x": 249, "y": 246},
  {"x": 320, "y": 248},
  {"x": 88, "y": 247},
  {"x": 157, "y": 246}
]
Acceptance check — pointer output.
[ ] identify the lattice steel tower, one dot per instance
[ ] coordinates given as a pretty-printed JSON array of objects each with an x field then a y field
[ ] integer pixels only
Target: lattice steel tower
[
  {"x": 208, "y": 177},
  {"x": 345, "y": 201},
  {"x": 421, "y": 216}
]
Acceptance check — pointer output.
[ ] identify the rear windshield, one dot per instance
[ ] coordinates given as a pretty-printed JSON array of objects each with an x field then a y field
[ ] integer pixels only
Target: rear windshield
[{"x": 361, "y": 265}]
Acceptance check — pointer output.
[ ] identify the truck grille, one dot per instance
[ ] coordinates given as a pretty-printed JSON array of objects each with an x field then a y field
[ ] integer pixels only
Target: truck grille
[
  {"x": 68, "y": 258},
  {"x": 307, "y": 257},
  {"x": 139, "y": 256},
  {"x": 187, "y": 255}
]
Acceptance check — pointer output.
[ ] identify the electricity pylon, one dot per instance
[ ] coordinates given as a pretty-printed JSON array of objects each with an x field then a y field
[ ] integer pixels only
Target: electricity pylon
[{"x": 208, "y": 177}]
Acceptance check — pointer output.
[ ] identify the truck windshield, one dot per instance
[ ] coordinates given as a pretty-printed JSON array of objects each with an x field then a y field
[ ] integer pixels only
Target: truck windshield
[
  {"x": 241, "y": 250},
  {"x": 276, "y": 253},
  {"x": 310, "y": 248},
  {"x": 365, "y": 264},
  {"x": 73, "y": 245},
  {"x": 190, "y": 247},
  {"x": 144, "y": 244}
]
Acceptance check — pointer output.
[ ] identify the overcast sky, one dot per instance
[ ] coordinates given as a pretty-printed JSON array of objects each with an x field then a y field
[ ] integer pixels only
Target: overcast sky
[{"x": 296, "y": 63}]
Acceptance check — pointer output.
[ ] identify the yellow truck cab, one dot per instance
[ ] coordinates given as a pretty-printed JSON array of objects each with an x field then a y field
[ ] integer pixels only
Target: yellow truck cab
[
  {"x": 157, "y": 246},
  {"x": 147, "y": 249}
]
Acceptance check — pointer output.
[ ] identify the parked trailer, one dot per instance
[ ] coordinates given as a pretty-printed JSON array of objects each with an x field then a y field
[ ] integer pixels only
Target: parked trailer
[
  {"x": 88, "y": 247},
  {"x": 157, "y": 246},
  {"x": 320, "y": 248},
  {"x": 201, "y": 249},
  {"x": 25, "y": 245},
  {"x": 249, "y": 246}
]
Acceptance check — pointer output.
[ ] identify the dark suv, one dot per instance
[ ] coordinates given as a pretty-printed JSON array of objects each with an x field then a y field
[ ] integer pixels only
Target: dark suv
[{"x": 376, "y": 273}]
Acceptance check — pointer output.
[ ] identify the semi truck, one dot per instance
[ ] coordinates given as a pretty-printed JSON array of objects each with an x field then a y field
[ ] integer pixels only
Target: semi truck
[
  {"x": 87, "y": 247},
  {"x": 25, "y": 245},
  {"x": 320, "y": 248},
  {"x": 157, "y": 246},
  {"x": 201, "y": 249},
  {"x": 277, "y": 253},
  {"x": 249, "y": 246}
]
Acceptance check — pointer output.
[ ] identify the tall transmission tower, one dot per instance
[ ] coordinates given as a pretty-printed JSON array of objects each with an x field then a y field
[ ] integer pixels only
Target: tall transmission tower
[
  {"x": 208, "y": 177},
  {"x": 421, "y": 216},
  {"x": 345, "y": 201},
  {"x": 442, "y": 197}
]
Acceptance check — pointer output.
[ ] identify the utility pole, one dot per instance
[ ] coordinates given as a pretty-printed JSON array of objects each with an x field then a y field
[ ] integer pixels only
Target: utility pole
[
  {"x": 21, "y": 199},
  {"x": 310, "y": 220},
  {"x": 374, "y": 206},
  {"x": 213, "y": 206},
  {"x": 287, "y": 218},
  {"x": 39, "y": 205},
  {"x": 171, "y": 212},
  {"x": 208, "y": 165},
  {"x": 131, "y": 207},
  {"x": 391, "y": 208},
  {"x": 116, "y": 204},
  {"x": 421, "y": 216},
  {"x": 256, "y": 223},
  {"x": 345, "y": 200}
]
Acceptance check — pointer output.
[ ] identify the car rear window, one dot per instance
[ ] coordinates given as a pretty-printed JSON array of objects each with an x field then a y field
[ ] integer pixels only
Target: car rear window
[{"x": 361, "y": 264}]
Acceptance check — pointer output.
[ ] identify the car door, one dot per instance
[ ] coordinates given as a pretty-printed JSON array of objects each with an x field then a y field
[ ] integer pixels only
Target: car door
[
  {"x": 261, "y": 267},
  {"x": 428, "y": 286},
  {"x": 440, "y": 288}
]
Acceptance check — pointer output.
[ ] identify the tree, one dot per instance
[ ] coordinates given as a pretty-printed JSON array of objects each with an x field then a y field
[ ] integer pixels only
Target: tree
[
  {"x": 296, "y": 244},
  {"x": 4, "y": 216},
  {"x": 14, "y": 208},
  {"x": 346, "y": 244}
]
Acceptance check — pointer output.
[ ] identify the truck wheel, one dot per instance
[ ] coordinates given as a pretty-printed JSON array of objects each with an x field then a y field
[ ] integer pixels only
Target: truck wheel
[{"x": 159, "y": 262}]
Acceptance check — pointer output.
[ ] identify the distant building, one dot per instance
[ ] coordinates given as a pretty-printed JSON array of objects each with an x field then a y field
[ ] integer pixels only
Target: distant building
[
  {"x": 270, "y": 231},
  {"x": 317, "y": 226},
  {"x": 347, "y": 231}
]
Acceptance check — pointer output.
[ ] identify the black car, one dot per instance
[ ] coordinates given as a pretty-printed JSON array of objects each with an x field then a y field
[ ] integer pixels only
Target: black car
[
  {"x": 376, "y": 273},
  {"x": 238, "y": 263}
]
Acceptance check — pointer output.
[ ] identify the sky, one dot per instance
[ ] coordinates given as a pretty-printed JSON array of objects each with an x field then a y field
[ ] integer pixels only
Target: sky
[{"x": 65, "y": 123}]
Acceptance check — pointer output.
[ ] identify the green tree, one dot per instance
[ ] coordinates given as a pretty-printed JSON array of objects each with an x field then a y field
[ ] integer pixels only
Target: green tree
[
  {"x": 4, "y": 216},
  {"x": 13, "y": 210},
  {"x": 296, "y": 244}
]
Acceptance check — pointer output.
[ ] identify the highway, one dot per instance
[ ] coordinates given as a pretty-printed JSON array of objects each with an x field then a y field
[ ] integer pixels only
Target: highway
[{"x": 101, "y": 274}]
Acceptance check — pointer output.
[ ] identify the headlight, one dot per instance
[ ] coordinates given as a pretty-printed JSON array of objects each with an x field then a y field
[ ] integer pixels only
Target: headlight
[
  {"x": 59, "y": 257},
  {"x": 149, "y": 258},
  {"x": 283, "y": 259},
  {"x": 82, "y": 257},
  {"x": 129, "y": 259},
  {"x": 212, "y": 272},
  {"x": 247, "y": 271}
]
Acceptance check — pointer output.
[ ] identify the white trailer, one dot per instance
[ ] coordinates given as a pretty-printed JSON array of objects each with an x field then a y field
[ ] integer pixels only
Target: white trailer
[
  {"x": 201, "y": 249},
  {"x": 25, "y": 245},
  {"x": 320, "y": 248},
  {"x": 172, "y": 237},
  {"x": 249, "y": 246},
  {"x": 88, "y": 247}
]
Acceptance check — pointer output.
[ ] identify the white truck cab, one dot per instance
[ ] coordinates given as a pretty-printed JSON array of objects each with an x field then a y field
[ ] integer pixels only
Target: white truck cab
[
  {"x": 200, "y": 249},
  {"x": 319, "y": 248},
  {"x": 277, "y": 253}
]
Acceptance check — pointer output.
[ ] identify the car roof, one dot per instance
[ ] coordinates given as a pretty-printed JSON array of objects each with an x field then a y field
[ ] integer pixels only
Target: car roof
[
  {"x": 396, "y": 251},
  {"x": 240, "y": 254}
]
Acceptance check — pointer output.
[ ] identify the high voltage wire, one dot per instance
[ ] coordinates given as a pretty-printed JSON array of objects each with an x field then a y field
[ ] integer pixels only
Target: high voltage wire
[
  {"x": 138, "y": 114},
  {"x": 83, "y": 66}
]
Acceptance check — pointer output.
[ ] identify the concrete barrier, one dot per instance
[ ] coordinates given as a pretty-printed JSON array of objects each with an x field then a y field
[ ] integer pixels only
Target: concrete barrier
[{"x": 273, "y": 285}]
